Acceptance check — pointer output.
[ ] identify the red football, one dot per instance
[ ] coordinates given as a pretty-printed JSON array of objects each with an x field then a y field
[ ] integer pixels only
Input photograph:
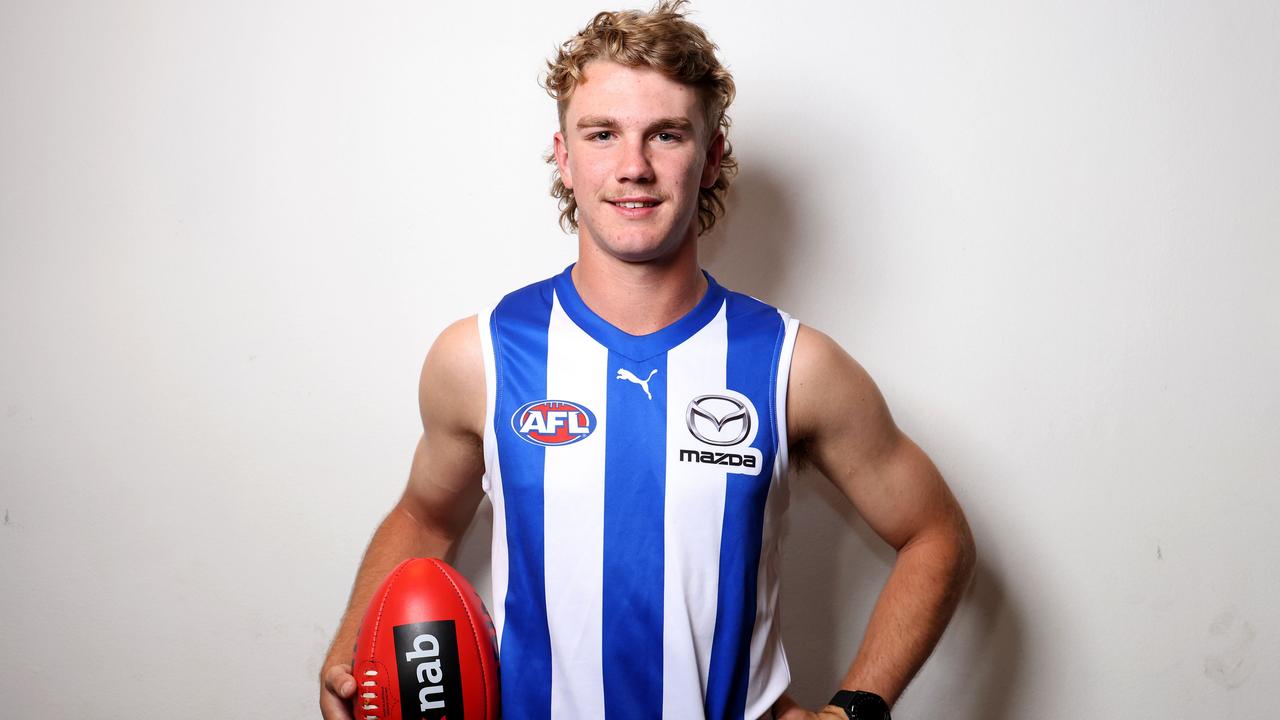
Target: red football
[{"x": 426, "y": 648}]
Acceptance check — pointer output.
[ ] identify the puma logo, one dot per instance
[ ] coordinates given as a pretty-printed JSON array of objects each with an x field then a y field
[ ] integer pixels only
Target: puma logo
[{"x": 625, "y": 374}]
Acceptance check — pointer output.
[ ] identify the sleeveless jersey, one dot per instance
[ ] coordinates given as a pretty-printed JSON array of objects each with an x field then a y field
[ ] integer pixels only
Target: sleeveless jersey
[{"x": 637, "y": 484}]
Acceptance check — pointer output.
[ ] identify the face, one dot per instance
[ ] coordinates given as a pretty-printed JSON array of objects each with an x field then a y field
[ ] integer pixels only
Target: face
[{"x": 635, "y": 149}]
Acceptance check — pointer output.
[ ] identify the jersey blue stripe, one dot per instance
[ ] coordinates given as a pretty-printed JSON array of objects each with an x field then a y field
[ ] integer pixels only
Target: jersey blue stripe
[
  {"x": 755, "y": 340},
  {"x": 519, "y": 326},
  {"x": 634, "y": 491}
]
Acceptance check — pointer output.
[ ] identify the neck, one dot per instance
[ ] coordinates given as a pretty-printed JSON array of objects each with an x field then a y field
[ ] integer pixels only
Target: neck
[{"x": 639, "y": 298}]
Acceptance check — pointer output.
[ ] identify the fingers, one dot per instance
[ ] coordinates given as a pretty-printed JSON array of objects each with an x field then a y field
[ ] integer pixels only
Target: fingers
[
  {"x": 333, "y": 707},
  {"x": 336, "y": 689}
]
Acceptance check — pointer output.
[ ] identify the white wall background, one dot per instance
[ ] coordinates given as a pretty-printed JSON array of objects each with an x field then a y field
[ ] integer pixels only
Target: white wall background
[{"x": 230, "y": 230}]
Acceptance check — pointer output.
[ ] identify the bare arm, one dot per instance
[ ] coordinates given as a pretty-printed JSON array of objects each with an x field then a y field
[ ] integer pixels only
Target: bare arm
[
  {"x": 839, "y": 420},
  {"x": 439, "y": 499}
]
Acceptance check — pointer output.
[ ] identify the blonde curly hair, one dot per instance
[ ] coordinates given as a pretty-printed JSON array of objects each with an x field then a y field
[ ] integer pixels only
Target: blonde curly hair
[{"x": 661, "y": 39}]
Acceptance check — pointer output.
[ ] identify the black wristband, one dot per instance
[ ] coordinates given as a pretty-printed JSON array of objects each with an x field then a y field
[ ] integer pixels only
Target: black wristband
[{"x": 861, "y": 705}]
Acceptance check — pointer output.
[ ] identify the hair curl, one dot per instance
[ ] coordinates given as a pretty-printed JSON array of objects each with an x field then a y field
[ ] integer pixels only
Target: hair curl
[{"x": 664, "y": 40}]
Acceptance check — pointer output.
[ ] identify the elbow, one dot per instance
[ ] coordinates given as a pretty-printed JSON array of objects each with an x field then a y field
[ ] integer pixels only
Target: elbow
[
  {"x": 963, "y": 551},
  {"x": 955, "y": 556},
  {"x": 949, "y": 553}
]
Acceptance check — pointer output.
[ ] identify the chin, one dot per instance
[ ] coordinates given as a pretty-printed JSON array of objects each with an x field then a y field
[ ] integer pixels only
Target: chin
[
  {"x": 632, "y": 249},
  {"x": 629, "y": 245}
]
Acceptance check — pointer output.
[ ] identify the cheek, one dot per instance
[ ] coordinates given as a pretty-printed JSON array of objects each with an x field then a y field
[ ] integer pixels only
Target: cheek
[
  {"x": 692, "y": 165},
  {"x": 687, "y": 175},
  {"x": 587, "y": 172}
]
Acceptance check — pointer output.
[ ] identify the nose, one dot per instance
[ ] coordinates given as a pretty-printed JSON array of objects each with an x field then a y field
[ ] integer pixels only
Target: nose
[{"x": 633, "y": 164}]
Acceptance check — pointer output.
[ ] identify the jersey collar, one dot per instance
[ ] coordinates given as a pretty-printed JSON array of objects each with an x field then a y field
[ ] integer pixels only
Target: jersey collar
[{"x": 637, "y": 347}]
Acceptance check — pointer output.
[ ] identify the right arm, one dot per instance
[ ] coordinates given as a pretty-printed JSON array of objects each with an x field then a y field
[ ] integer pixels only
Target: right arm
[{"x": 439, "y": 499}]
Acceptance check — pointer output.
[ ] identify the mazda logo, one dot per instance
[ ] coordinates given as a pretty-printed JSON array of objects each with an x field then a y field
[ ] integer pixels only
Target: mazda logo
[{"x": 712, "y": 418}]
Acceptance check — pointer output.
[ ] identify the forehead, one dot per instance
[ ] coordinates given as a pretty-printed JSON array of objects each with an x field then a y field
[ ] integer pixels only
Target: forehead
[{"x": 633, "y": 94}]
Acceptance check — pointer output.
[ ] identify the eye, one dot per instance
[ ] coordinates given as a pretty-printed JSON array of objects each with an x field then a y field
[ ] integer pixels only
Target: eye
[
  {"x": 601, "y": 135},
  {"x": 667, "y": 137}
]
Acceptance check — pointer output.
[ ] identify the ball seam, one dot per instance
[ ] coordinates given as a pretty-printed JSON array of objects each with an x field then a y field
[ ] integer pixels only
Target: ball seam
[
  {"x": 382, "y": 604},
  {"x": 475, "y": 636}
]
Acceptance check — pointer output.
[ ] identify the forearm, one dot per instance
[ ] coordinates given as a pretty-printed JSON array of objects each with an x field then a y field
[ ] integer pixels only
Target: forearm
[
  {"x": 398, "y": 537},
  {"x": 913, "y": 609}
]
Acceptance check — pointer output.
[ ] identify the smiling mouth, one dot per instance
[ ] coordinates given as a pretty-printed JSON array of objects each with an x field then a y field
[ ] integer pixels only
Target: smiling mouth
[{"x": 634, "y": 204}]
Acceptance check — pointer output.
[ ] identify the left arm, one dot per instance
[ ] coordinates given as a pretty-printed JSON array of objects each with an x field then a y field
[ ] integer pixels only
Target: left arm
[{"x": 838, "y": 419}]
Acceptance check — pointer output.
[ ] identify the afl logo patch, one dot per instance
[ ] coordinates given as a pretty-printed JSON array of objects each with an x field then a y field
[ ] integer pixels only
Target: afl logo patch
[{"x": 553, "y": 422}]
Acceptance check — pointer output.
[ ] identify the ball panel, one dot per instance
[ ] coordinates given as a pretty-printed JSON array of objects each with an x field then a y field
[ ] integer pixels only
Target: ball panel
[
  {"x": 480, "y": 688},
  {"x": 426, "y": 647}
]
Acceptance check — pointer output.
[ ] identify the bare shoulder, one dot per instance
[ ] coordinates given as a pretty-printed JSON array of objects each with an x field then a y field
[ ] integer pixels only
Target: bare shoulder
[
  {"x": 444, "y": 479},
  {"x": 830, "y": 394},
  {"x": 451, "y": 390}
]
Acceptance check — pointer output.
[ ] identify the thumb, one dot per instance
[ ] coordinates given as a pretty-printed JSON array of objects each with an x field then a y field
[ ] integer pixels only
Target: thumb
[{"x": 339, "y": 680}]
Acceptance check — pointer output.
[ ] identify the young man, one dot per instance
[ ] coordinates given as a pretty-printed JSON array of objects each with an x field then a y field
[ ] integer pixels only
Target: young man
[{"x": 631, "y": 421}]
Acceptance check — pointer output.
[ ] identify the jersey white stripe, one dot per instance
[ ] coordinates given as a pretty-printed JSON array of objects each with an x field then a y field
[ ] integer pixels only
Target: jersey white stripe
[
  {"x": 694, "y": 514},
  {"x": 770, "y": 674},
  {"x": 577, "y": 371},
  {"x": 492, "y": 481}
]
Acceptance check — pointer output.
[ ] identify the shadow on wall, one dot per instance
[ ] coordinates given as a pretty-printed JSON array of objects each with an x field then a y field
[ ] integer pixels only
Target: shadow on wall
[
  {"x": 993, "y": 647},
  {"x": 748, "y": 248}
]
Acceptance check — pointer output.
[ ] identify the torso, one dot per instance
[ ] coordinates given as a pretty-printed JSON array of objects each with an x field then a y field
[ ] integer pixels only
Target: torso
[{"x": 637, "y": 485}]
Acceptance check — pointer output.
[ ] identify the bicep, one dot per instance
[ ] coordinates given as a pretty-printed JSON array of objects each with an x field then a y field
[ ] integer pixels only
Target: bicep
[
  {"x": 444, "y": 486},
  {"x": 900, "y": 494},
  {"x": 846, "y": 429}
]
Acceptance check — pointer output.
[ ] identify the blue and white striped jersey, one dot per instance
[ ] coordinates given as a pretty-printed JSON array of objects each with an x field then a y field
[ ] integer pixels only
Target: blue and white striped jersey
[{"x": 638, "y": 484}]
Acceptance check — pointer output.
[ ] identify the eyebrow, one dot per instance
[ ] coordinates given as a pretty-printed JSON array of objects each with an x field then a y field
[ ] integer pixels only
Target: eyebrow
[{"x": 666, "y": 123}]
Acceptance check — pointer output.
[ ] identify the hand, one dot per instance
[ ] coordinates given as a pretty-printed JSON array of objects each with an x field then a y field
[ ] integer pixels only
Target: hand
[
  {"x": 787, "y": 709},
  {"x": 337, "y": 687}
]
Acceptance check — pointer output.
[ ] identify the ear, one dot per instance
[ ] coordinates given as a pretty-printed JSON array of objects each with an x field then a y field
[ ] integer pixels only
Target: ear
[
  {"x": 715, "y": 151},
  {"x": 561, "y": 149}
]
